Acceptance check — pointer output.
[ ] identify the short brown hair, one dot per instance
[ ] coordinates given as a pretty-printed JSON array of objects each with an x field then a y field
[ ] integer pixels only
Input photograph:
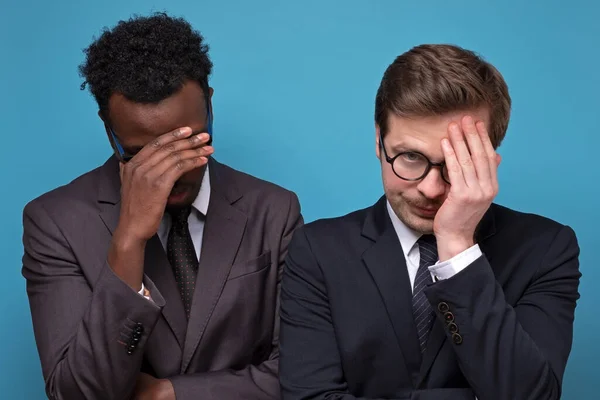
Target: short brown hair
[{"x": 435, "y": 79}]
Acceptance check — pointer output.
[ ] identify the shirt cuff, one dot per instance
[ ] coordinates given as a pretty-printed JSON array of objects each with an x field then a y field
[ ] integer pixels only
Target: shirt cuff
[
  {"x": 451, "y": 267},
  {"x": 145, "y": 292}
]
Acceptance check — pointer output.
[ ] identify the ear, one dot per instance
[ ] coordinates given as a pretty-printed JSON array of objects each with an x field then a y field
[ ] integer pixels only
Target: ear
[
  {"x": 377, "y": 144},
  {"x": 210, "y": 94}
]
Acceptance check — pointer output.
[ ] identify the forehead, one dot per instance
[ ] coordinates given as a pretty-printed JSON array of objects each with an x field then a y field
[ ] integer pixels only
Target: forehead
[
  {"x": 425, "y": 131},
  {"x": 134, "y": 121}
]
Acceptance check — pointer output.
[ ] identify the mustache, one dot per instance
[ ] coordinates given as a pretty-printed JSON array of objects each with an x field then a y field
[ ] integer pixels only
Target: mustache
[
  {"x": 180, "y": 187},
  {"x": 424, "y": 203}
]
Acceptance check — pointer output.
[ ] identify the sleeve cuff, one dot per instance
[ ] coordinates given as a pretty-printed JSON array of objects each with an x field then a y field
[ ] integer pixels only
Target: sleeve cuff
[
  {"x": 451, "y": 267},
  {"x": 145, "y": 292}
]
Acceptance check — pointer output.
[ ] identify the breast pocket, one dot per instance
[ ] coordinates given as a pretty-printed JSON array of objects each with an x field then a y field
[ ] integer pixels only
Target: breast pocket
[{"x": 244, "y": 268}]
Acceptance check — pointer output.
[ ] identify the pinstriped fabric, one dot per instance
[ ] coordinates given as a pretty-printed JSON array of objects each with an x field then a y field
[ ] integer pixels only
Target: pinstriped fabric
[{"x": 422, "y": 310}]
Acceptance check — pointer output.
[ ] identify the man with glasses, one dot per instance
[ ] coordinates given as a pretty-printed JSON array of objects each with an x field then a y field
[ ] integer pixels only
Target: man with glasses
[
  {"x": 434, "y": 292},
  {"x": 157, "y": 275}
]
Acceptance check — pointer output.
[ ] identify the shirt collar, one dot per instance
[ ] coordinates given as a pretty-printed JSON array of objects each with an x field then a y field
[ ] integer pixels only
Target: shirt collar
[
  {"x": 201, "y": 201},
  {"x": 408, "y": 237}
]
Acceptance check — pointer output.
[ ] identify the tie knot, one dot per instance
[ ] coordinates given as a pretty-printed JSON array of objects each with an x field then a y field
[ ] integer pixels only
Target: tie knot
[
  {"x": 428, "y": 240},
  {"x": 428, "y": 249},
  {"x": 180, "y": 215}
]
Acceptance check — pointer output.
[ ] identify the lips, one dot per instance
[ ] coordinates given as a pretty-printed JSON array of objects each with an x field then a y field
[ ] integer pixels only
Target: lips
[
  {"x": 178, "y": 190},
  {"x": 426, "y": 211},
  {"x": 178, "y": 194},
  {"x": 175, "y": 192}
]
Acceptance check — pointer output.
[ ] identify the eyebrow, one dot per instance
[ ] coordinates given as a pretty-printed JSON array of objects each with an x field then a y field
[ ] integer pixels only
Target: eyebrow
[{"x": 401, "y": 148}]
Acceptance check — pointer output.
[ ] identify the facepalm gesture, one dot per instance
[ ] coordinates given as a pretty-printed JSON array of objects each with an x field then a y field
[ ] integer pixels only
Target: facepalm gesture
[{"x": 472, "y": 164}]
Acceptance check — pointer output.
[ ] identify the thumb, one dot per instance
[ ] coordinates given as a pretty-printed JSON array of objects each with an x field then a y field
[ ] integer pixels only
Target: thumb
[{"x": 121, "y": 172}]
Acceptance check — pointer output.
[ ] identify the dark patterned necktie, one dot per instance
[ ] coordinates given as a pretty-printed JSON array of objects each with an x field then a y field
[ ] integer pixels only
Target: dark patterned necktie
[
  {"x": 422, "y": 310},
  {"x": 182, "y": 255}
]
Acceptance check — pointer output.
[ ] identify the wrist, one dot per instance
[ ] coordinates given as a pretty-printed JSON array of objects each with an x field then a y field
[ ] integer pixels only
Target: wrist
[
  {"x": 452, "y": 246},
  {"x": 126, "y": 240},
  {"x": 126, "y": 258}
]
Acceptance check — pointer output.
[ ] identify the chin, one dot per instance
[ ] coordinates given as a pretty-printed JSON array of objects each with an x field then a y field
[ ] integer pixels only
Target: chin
[
  {"x": 419, "y": 224},
  {"x": 413, "y": 221}
]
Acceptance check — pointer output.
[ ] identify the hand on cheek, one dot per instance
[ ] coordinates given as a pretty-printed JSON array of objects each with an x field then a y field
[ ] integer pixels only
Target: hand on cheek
[{"x": 472, "y": 165}]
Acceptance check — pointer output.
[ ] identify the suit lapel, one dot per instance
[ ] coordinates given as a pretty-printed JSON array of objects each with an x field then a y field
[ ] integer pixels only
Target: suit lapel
[
  {"x": 387, "y": 266},
  {"x": 156, "y": 264},
  {"x": 158, "y": 268},
  {"x": 223, "y": 231},
  {"x": 437, "y": 337}
]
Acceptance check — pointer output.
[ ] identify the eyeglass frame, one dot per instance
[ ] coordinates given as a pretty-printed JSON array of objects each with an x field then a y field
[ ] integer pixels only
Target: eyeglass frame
[
  {"x": 430, "y": 164},
  {"x": 124, "y": 157}
]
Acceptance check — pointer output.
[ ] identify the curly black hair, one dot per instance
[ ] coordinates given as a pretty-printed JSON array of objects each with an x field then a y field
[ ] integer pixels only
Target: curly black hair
[{"x": 146, "y": 59}]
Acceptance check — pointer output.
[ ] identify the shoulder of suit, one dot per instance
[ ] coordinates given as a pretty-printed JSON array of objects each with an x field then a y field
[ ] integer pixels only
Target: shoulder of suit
[
  {"x": 349, "y": 222},
  {"x": 507, "y": 219},
  {"x": 255, "y": 187},
  {"x": 80, "y": 190}
]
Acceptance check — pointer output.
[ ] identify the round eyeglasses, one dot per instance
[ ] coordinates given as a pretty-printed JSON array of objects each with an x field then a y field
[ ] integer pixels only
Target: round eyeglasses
[{"x": 412, "y": 165}]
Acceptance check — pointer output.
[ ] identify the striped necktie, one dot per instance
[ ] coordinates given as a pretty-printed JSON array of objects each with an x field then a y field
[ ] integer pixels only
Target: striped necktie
[{"x": 422, "y": 310}]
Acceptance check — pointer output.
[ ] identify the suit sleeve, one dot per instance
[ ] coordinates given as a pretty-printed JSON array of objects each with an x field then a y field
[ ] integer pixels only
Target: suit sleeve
[
  {"x": 515, "y": 352},
  {"x": 84, "y": 330},
  {"x": 254, "y": 382}
]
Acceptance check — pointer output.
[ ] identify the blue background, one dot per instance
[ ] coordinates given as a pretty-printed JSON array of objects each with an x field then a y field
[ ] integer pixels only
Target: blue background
[{"x": 295, "y": 83}]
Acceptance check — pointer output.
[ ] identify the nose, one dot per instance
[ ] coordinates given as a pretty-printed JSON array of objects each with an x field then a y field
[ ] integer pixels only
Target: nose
[{"x": 433, "y": 186}]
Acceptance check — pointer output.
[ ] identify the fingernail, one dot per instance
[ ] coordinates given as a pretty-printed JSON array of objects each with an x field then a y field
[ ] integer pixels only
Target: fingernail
[
  {"x": 468, "y": 119},
  {"x": 184, "y": 131},
  {"x": 445, "y": 143}
]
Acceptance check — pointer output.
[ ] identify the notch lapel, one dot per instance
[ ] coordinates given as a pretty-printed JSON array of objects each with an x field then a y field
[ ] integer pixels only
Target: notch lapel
[
  {"x": 156, "y": 264},
  {"x": 223, "y": 231},
  {"x": 159, "y": 270},
  {"x": 436, "y": 339},
  {"x": 386, "y": 264}
]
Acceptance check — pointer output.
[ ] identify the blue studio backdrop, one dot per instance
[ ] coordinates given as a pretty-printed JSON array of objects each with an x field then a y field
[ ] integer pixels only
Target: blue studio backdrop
[{"x": 295, "y": 83}]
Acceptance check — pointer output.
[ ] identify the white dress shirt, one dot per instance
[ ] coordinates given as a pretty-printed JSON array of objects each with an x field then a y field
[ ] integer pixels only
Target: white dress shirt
[
  {"x": 195, "y": 220},
  {"x": 441, "y": 270}
]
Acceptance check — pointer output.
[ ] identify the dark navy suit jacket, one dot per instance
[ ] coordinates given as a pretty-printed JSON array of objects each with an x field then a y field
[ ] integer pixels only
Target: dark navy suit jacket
[{"x": 504, "y": 324}]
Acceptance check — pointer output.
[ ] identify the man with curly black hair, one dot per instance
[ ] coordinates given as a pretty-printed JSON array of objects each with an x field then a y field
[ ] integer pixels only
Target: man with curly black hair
[{"x": 156, "y": 275}]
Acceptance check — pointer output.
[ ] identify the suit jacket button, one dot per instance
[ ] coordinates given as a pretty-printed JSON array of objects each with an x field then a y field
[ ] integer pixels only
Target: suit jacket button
[
  {"x": 449, "y": 317},
  {"x": 443, "y": 307},
  {"x": 456, "y": 338},
  {"x": 452, "y": 327}
]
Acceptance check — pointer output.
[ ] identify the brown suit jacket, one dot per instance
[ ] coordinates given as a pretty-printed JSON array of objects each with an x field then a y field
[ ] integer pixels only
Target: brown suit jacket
[{"x": 85, "y": 318}]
